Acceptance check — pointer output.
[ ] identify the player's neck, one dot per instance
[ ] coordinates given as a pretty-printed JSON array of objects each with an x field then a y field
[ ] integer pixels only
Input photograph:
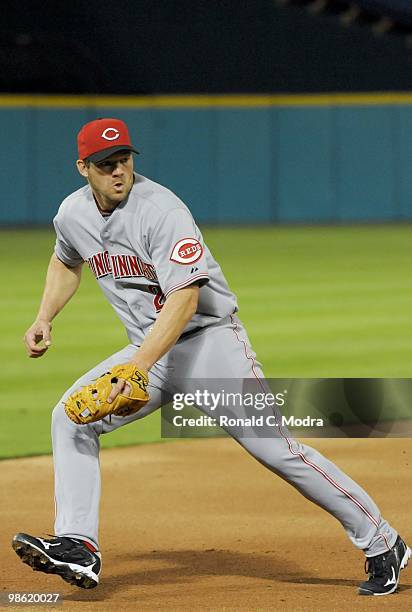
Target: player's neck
[{"x": 103, "y": 204}]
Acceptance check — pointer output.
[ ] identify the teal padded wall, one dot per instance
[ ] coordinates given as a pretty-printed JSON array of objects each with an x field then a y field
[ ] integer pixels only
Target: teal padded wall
[
  {"x": 304, "y": 167},
  {"x": 365, "y": 164},
  {"x": 18, "y": 201},
  {"x": 241, "y": 164}
]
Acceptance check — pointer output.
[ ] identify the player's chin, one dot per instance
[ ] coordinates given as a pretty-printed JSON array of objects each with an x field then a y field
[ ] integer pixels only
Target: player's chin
[{"x": 118, "y": 195}]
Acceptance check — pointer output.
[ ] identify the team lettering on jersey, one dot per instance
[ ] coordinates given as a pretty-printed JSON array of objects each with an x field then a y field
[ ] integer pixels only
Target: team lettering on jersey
[{"x": 120, "y": 266}]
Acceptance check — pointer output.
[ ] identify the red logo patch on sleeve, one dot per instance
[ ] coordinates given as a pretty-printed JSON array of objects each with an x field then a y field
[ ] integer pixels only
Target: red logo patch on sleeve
[{"x": 186, "y": 251}]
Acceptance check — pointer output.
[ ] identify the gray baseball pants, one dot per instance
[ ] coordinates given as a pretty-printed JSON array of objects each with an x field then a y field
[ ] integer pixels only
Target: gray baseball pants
[{"x": 220, "y": 351}]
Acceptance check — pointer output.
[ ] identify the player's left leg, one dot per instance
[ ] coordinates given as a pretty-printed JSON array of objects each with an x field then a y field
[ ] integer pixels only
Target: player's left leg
[
  {"x": 224, "y": 352},
  {"x": 76, "y": 454},
  {"x": 74, "y": 553}
]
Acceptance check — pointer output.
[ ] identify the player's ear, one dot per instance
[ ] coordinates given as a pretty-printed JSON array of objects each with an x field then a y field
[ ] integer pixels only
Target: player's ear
[{"x": 82, "y": 168}]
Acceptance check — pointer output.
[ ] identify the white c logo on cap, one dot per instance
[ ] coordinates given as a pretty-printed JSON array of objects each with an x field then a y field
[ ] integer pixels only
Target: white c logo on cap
[{"x": 115, "y": 135}]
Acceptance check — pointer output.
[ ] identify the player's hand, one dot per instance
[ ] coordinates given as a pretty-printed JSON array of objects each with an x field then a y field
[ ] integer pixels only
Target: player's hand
[
  {"x": 122, "y": 386},
  {"x": 38, "y": 338}
]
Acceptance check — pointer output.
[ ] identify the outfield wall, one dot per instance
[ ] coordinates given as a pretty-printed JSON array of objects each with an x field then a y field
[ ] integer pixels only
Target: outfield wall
[{"x": 232, "y": 159}]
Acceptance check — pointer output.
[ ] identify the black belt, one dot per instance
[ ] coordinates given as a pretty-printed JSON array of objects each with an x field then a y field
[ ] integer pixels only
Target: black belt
[
  {"x": 194, "y": 331},
  {"x": 191, "y": 332}
]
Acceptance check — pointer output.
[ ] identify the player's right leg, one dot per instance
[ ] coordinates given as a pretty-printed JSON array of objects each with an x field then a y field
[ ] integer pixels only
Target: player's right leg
[
  {"x": 74, "y": 553},
  {"x": 224, "y": 352}
]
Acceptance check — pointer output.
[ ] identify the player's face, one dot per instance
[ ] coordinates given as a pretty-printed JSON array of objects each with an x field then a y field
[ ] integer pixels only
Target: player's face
[{"x": 110, "y": 179}]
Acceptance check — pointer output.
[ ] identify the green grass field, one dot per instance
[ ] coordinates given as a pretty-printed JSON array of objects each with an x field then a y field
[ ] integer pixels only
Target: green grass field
[{"x": 316, "y": 301}]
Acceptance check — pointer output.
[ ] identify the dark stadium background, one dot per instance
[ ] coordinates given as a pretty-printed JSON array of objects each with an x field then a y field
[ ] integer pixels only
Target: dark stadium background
[{"x": 204, "y": 46}]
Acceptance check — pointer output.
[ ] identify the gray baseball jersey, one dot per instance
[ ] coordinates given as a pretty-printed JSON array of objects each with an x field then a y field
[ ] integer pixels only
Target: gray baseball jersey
[{"x": 147, "y": 248}]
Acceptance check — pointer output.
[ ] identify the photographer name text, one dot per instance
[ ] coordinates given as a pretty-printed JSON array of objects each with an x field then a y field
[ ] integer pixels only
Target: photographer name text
[{"x": 253, "y": 421}]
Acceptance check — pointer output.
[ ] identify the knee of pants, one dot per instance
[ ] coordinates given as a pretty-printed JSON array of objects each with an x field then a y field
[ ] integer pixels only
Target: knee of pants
[
  {"x": 273, "y": 453},
  {"x": 61, "y": 422}
]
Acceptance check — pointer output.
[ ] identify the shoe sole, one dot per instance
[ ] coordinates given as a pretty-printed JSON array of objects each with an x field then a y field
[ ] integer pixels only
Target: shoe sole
[
  {"x": 404, "y": 563},
  {"x": 39, "y": 561}
]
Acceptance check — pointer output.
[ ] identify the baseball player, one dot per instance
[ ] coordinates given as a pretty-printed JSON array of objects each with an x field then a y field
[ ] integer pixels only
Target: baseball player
[{"x": 149, "y": 258}]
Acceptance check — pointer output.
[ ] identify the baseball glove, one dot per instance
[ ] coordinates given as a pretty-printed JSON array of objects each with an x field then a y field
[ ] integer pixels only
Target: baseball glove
[{"x": 89, "y": 404}]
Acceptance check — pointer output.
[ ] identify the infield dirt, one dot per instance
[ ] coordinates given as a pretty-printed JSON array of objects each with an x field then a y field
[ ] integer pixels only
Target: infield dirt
[{"x": 199, "y": 525}]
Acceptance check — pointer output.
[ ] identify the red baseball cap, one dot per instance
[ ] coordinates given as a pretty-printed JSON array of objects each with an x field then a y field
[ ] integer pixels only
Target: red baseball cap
[{"x": 100, "y": 138}]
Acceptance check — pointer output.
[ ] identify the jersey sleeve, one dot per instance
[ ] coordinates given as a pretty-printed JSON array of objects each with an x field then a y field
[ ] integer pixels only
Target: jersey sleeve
[
  {"x": 63, "y": 249},
  {"x": 178, "y": 252}
]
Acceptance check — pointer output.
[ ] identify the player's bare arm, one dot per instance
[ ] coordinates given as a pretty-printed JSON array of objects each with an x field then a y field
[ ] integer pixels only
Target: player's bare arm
[
  {"x": 173, "y": 318},
  {"x": 179, "y": 308},
  {"x": 61, "y": 284}
]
